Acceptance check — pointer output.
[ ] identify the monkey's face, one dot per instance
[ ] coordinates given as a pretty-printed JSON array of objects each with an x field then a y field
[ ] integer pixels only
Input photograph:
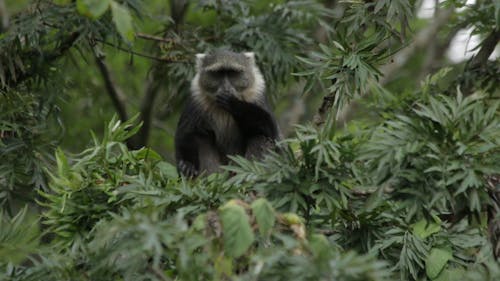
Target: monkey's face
[
  {"x": 225, "y": 72},
  {"x": 224, "y": 81}
]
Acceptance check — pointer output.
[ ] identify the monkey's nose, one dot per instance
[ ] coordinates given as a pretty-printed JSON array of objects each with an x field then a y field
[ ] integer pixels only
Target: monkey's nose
[{"x": 225, "y": 91}]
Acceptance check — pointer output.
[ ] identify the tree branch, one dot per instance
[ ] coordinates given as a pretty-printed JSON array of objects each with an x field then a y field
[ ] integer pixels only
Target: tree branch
[
  {"x": 487, "y": 47},
  {"x": 326, "y": 105},
  {"x": 147, "y": 104},
  {"x": 436, "y": 52},
  {"x": 115, "y": 93},
  {"x": 159, "y": 59},
  {"x": 179, "y": 8},
  {"x": 154, "y": 38},
  {"x": 4, "y": 16}
]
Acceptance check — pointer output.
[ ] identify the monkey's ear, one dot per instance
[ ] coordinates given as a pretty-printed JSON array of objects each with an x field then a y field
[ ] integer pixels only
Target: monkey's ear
[
  {"x": 199, "y": 60},
  {"x": 250, "y": 56}
]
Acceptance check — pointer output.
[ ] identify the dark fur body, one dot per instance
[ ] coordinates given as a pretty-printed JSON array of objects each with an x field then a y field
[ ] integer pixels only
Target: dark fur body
[{"x": 233, "y": 119}]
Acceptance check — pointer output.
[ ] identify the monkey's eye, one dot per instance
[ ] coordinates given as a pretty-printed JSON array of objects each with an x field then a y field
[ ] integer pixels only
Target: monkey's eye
[{"x": 221, "y": 73}]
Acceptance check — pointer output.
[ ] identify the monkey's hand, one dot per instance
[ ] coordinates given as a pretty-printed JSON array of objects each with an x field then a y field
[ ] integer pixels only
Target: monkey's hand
[
  {"x": 252, "y": 118},
  {"x": 187, "y": 169},
  {"x": 229, "y": 103}
]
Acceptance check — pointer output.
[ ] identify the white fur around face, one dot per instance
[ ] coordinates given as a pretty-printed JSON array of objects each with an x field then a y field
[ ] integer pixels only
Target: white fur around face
[
  {"x": 255, "y": 92},
  {"x": 199, "y": 61}
]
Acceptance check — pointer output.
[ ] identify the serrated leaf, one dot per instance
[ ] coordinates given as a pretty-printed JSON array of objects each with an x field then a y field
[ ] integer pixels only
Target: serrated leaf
[
  {"x": 264, "y": 215},
  {"x": 62, "y": 163},
  {"x": 92, "y": 8},
  {"x": 123, "y": 21},
  {"x": 436, "y": 261},
  {"x": 19, "y": 237},
  {"x": 237, "y": 233}
]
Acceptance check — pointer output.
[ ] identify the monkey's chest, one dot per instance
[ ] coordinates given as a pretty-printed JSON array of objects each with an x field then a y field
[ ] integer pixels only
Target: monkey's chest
[{"x": 228, "y": 137}]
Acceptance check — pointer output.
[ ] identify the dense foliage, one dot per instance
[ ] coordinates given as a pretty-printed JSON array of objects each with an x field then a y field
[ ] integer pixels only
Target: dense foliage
[{"x": 407, "y": 189}]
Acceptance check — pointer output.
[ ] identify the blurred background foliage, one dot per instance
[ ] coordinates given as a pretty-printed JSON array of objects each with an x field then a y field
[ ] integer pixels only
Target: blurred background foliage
[{"x": 390, "y": 167}]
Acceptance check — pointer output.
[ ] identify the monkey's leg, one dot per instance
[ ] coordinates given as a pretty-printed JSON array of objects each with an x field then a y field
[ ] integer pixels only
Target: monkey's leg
[
  {"x": 186, "y": 155},
  {"x": 252, "y": 119},
  {"x": 208, "y": 156},
  {"x": 256, "y": 147}
]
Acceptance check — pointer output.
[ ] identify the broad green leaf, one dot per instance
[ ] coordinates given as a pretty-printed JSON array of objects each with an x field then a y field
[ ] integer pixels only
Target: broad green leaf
[
  {"x": 238, "y": 235},
  {"x": 199, "y": 222},
  {"x": 223, "y": 267},
  {"x": 264, "y": 215},
  {"x": 291, "y": 218},
  {"x": 423, "y": 229},
  {"x": 147, "y": 153},
  {"x": 92, "y": 8},
  {"x": 319, "y": 245},
  {"x": 450, "y": 274},
  {"x": 123, "y": 21},
  {"x": 167, "y": 170},
  {"x": 436, "y": 261}
]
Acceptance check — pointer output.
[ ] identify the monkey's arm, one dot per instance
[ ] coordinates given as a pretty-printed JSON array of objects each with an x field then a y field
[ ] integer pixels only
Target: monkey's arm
[
  {"x": 186, "y": 153},
  {"x": 186, "y": 146},
  {"x": 252, "y": 119}
]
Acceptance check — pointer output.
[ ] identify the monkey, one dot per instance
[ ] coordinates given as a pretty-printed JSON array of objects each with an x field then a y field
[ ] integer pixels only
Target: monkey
[{"x": 227, "y": 113}]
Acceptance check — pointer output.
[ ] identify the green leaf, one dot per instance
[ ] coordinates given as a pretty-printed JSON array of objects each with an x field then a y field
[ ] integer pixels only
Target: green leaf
[
  {"x": 423, "y": 229},
  {"x": 238, "y": 235},
  {"x": 148, "y": 154},
  {"x": 319, "y": 245},
  {"x": 92, "y": 8},
  {"x": 167, "y": 170},
  {"x": 123, "y": 21},
  {"x": 451, "y": 274},
  {"x": 264, "y": 215},
  {"x": 436, "y": 261},
  {"x": 19, "y": 236},
  {"x": 62, "y": 164}
]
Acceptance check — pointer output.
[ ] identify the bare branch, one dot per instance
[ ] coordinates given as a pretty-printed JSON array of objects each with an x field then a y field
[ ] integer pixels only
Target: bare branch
[
  {"x": 326, "y": 105},
  {"x": 487, "y": 47},
  {"x": 4, "y": 16},
  {"x": 436, "y": 52},
  {"x": 116, "y": 95},
  {"x": 153, "y": 85},
  {"x": 159, "y": 59},
  {"x": 147, "y": 105},
  {"x": 154, "y": 38}
]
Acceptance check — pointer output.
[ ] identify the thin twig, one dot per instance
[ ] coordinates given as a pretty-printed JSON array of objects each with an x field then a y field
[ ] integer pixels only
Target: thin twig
[
  {"x": 160, "y": 59},
  {"x": 158, "y": 273},
  {"x": 154, "y": 38},
  {"x": 114, "y": 92}
]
